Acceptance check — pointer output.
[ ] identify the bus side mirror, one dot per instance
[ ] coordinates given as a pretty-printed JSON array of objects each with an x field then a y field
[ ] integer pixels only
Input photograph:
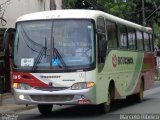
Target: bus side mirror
[
  {"x": 98, "y": 31},
  {"x": 104, "y": 48},
  {"x": 102, "y": 43},
  {"x": 8, "y": 38}
]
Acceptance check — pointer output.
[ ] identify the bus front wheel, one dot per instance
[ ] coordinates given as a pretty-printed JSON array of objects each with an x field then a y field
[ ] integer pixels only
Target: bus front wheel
[
  {"x": 45, "y": 109},
  {"x": 105, "y": 107}
]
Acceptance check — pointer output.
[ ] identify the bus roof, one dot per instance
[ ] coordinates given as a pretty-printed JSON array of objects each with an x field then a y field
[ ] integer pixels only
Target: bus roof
[{"x": 79, "y": 14}]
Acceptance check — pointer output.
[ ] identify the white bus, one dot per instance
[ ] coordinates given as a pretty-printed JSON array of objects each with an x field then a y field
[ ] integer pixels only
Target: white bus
[{"x": 80, "y": 57}]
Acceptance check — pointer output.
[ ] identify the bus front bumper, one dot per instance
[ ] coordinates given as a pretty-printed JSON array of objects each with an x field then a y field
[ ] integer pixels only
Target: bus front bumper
[{"x": 62, "y": 97}]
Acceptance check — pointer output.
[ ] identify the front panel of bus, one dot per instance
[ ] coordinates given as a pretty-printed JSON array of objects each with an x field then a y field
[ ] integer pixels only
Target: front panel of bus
[{"x": 54, "y": 62}]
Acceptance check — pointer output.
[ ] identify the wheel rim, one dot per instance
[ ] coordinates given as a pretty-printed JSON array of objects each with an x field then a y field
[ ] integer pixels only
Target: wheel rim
[
  {"x": 109, "y": 99},
  {"x": 141, "y": 92}
]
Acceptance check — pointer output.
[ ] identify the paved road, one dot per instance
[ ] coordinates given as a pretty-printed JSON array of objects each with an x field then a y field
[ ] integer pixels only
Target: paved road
[{"x": 150, "y": 105}]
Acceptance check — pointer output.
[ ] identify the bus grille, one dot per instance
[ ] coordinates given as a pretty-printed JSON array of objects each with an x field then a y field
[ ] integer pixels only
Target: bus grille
[
  {"x": 51, "y": 98},
  {"x": 51, "y": 88}
]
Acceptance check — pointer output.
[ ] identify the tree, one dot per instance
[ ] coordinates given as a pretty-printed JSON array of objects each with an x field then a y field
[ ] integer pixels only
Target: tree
[
  {"x": 3, "y": 8},
  {"x": 156, "y": 31},
  {"x": 69, "y": 4},
  {"x": 152, "y": 8},
  {"x": 120, "y": 8}
]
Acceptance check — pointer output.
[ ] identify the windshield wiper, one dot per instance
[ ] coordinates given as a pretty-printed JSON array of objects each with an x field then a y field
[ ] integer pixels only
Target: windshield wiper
[
  {"x": 55, "y": 51},
  {"x": 56, "y": 54},
  {"x": 39, "y": 57}
]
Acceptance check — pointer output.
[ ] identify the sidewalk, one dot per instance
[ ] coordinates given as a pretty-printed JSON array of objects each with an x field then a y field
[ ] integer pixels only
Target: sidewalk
[{"x": 9, "y": 106}]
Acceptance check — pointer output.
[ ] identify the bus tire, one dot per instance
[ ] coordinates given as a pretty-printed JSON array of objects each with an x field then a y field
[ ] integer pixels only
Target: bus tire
[
  {"x": 130, "y": 98},
  {"x": 139, "y": 96},
  {"x": 105, "y": 107},
  {"x": 45, "y": 109}
]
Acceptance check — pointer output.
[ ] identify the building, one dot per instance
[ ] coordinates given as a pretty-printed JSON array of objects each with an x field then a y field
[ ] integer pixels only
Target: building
[{"x": 10, "y": 10}]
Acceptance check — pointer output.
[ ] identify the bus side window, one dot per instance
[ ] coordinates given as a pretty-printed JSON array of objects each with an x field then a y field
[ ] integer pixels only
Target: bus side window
[
  {"x": 122, "y": 36},
  {"x": 131, "y": 38},
  {"x": 146, "y": 41},
  {"x": 111, "y": 34},
  {"x": 139, "y": 40}
]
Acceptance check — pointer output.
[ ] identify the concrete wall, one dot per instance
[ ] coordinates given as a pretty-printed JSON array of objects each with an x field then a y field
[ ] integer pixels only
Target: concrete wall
[
  {"x": 10, "y": 10},
  {"x": 16, "y": 8},
  {"x": 58, "y": 4}
]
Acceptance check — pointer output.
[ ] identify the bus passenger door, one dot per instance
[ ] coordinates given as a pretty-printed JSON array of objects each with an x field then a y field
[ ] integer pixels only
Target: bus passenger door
[{"x": 102, "y": 83}]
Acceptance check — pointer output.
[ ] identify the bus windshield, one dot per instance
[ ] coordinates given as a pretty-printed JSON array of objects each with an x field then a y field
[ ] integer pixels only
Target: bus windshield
[{"x": 54, "y": 44}]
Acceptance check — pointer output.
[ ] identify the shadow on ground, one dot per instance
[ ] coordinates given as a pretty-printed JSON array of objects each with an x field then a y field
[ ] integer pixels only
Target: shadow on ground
[{"x": 81, "y": 112}]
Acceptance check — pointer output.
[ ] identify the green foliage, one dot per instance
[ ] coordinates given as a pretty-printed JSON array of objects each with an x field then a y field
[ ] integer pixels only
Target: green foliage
[
  {"x": 120, "y": 8},
  {"x": 156, "y": 31},
  {"x": 69, "y": 4},
  {"x": 150, "y": 7}
]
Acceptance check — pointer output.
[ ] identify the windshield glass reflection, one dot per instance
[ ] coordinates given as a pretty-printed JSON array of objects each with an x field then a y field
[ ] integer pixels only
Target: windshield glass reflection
[{"x": 65, "y": 44}]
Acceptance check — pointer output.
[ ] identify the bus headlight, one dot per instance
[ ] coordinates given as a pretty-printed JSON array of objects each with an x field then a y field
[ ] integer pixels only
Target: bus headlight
[
  {"x": 82, "y": 85},
  {"x": 21, "y": 86}
]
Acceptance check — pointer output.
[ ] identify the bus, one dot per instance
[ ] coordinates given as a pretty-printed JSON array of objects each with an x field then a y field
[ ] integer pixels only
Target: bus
[{"x": 117, "y": 59}]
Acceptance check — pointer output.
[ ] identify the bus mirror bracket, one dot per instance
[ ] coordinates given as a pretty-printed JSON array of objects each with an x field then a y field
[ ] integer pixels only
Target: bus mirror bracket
[
  {"x": 104, "y": 48},
  {"x": 98, "y": 31},
  {"x": 8, "y": 38},
  {"x": 102, "y": 43}
]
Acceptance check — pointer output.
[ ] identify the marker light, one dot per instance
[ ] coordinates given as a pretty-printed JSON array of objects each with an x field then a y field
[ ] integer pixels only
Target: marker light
[
  {"x": 15, "y": 85},
  {"x": 21, "y": 86},
  {"x": 90, "y": 84}
]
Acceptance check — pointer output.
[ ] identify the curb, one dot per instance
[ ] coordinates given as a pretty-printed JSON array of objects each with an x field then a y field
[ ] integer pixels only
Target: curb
[{"x": 15, "y": 108}]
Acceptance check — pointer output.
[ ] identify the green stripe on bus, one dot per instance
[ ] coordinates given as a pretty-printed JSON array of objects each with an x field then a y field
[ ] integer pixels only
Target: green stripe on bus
[{"x": 136, "y": 74}]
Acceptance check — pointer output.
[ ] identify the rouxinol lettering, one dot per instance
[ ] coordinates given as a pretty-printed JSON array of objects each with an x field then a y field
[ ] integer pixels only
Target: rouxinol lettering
[{"x": 125, "y": 60}]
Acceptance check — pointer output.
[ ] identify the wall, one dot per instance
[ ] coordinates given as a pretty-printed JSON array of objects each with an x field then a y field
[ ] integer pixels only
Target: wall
[
  {"x": 13, "y": 9},
  {"x": 58, "y": 4}
]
